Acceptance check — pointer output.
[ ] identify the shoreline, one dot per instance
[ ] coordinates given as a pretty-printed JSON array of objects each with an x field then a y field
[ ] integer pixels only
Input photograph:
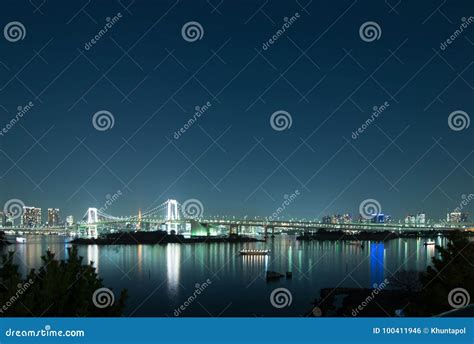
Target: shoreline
[
  {"x": 377, "y": 236},
  {"x": 158, "y": 237}
]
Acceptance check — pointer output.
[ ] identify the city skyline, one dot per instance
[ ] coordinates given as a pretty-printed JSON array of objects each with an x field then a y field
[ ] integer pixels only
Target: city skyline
[{"x": 371, "y": 212}]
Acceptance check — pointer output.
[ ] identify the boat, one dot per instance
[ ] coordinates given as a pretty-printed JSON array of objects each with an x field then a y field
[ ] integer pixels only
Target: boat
[
  {"x": 247, "y": 252},
  {"x": 21, "y": 240},
  {"x": 429, "y": 243},
  {"x": 273, "y": 275}
]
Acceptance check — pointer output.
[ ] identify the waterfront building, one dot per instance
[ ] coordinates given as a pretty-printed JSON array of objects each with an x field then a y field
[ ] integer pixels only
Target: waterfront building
[
  {"x": 326, "y": 219},
  {"x": 421, "y": 219},
  {"x": 410, "y": 219},
  {"x": 9, "y": 220},
  {"x": 457, "y": 217},
  {"x": 378, "y": 218},
  {"x": 31, "y": 217},
  {"x": 346, "y": 218},
  {"x": 454, "y": 217},
  {"x": 363, "y": 219},
  {"x": 53, "y": 217},
  {"x": 337, "y": 218},
  {"x": 69, "y": 220}
]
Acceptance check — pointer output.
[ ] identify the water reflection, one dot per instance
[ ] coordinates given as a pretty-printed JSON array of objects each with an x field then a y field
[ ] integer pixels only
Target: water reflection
[
  {"x": 252, "y": 265},
  {"x": 377, "y": 256},
  {"x": 139, "y": 258},
  {"x": 173, "y": 264},
  {"x": 236, "y": 280},
  {"x": 93, "y": 256}
]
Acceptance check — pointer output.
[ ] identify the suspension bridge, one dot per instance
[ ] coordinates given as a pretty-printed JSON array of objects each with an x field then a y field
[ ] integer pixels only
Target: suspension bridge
[{"x": 176, "y": 218}]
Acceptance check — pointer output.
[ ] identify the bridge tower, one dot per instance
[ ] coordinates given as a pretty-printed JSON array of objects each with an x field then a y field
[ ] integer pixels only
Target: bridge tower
[
  {"x": 92, "y": 216},
  {"x": 139, "y": 224},
  {"x": 92, "y": 219},
  {"x": 172, "y": 213},
  {"x": 172, "y": 216}
]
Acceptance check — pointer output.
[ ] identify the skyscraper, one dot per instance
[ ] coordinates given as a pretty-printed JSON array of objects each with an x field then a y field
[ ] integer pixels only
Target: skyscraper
[
  {"x": 9, "y": 220},
  {"x": 53, "y": 217},
  {"x": 3, "y": 219},
  {"x": 410, "y": 219},
  {"x": 69, "y": 220},
  {"x": 420, "y": 218},
  {"x": 31, "y": 217},
  {"x": 378, "y": 218},
  {"x": 454, "y": 217}
]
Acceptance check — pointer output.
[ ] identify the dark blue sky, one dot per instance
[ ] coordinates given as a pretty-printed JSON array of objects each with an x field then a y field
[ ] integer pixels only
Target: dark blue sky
[{"x": 320, "y": 71}]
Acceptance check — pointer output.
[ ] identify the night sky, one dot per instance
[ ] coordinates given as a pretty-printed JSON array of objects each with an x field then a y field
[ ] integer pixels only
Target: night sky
[{"x": 319, "y": 70}]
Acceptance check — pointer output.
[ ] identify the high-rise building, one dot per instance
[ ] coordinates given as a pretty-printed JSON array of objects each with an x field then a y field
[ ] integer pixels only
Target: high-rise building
[
  {"x": 31, "y": 217},
  {"x": 326, "y": 219},
  {"x": 347, "y": 218},
  {"x": 410, "y": 219},
  {"x": 9, "y": 220},
  {"x": 69, "y": 220},
  {"x": 53, "y": 217},
  {"x": 3, "y": 219},
  {"x": 378, "y": 218},
  {"x": 454, "y": 217},
  {"x": 364, "y": 219},
  {"x": 338, "y": 218},
  {"x": 420, "y": 218}
]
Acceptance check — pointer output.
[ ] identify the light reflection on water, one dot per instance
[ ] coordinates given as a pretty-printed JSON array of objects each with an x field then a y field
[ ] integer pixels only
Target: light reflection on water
[
  {"x": 173, "y": 264},
  {"x": 160, "y": 278}
]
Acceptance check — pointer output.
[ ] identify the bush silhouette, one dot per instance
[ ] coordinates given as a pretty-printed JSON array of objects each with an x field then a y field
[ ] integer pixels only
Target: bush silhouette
[
  {"x": 453, "y": 269},
  {"x": 58, "y": 289}
]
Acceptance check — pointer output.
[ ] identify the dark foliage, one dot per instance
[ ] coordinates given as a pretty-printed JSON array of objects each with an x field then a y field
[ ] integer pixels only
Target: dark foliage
[
  {"x": 58, "y": 289},
  {"x": 453, "y": 269}
]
